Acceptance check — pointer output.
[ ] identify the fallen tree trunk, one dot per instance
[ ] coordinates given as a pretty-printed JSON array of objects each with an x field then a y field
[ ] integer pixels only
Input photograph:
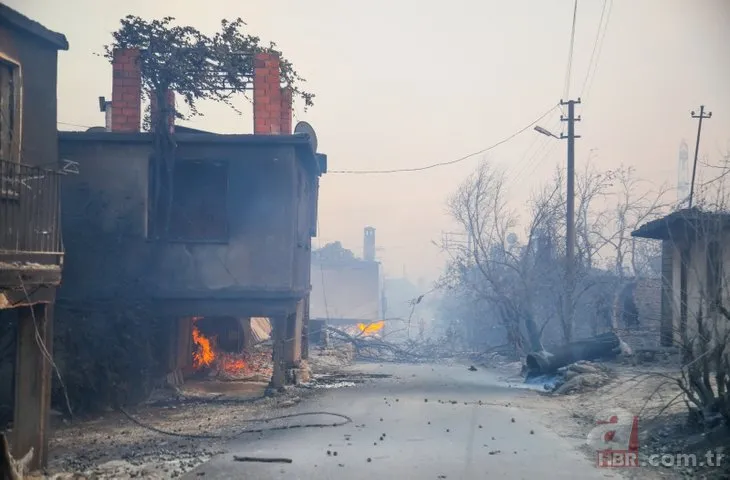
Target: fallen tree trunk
[{"x": 602, "y": 346}]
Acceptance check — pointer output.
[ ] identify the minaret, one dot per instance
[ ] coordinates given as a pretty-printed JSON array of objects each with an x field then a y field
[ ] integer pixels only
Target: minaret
[{"x": 368, "y": 248}]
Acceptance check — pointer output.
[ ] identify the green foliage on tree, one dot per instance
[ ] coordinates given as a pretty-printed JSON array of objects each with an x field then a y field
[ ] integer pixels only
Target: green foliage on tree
[{"x": 197, "y": 66}]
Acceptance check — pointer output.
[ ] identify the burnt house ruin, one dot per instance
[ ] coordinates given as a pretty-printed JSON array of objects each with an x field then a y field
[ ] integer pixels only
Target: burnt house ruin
[
  {"x": 30, "y": 241},
  {"x": 236, "y": 241}
]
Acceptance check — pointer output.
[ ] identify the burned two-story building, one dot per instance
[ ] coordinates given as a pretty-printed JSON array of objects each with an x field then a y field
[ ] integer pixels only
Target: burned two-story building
[
  {"x": 236, "y": 240},
  {"x": 30, "y": 242}
]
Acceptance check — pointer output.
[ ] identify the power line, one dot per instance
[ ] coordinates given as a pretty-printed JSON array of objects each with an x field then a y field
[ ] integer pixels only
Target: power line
[
  {"x": 451, "y": 162},
  {"x": 537, "y": 158},
  {"x": 528, "y": 152},
  {"x": 570, "y": 52},
  {"x": 595, "y": 46},
  {"x": 599, "y": 49}
]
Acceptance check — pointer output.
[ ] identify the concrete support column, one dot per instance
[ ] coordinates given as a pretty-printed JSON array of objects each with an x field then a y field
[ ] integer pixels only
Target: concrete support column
[
  {"x": 33, "y": 372},
  {"x": 293, "y": 342},
  {"x": 305, "y": 330},
  {"x": 278, "y": 334},
  {"x": 180, "y": 358},
  {"x": 248, "y": 340}
]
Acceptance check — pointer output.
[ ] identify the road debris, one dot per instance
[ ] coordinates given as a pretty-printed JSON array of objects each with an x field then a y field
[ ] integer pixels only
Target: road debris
[
  {"x": 575, "y": 378},
  {"x": 262, "y": 459}
]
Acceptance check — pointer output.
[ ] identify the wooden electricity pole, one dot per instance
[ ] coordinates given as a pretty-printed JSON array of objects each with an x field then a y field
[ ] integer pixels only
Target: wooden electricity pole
[{"x": 701, "y": 116}]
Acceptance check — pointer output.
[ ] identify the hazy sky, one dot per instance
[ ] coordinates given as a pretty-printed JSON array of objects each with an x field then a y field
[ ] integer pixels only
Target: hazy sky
[{"x": 405, "y": 83}]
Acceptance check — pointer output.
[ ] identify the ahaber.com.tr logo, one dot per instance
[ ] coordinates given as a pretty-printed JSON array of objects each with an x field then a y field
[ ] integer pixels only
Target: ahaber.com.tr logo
[{"x": 615, "y": 438}]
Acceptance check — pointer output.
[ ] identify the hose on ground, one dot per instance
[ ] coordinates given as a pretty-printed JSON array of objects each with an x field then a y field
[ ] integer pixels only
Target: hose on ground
[{"x": 344, "y": 421}]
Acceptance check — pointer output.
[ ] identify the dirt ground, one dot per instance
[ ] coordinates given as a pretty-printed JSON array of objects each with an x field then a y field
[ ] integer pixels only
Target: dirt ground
[
  {"x": 114, "y": 446},
  {"x": 643, "y": 390},
  {"x": 201, "y": 417}
]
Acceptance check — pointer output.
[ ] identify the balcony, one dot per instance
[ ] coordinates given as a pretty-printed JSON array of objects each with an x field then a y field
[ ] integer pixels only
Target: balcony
[{"x": 30, "y": 231}]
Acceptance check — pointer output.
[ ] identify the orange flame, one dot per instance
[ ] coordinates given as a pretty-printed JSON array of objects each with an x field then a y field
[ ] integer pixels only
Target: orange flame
[
  {"x": 370, "y": 328},
  {"x": 233, "y": 365},
  {"x": 204, "y": 355}
]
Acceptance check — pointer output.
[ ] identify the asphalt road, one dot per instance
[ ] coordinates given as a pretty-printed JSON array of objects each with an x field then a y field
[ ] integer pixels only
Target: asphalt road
[{"x": 396, "y": 434}]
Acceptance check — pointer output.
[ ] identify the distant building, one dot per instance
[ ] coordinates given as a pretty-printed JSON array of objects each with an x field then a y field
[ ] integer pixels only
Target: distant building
[
  {"x": 683, "y": 172},
  {"x": 346, "y": 290},
  {"x": 695, "y": 262}
]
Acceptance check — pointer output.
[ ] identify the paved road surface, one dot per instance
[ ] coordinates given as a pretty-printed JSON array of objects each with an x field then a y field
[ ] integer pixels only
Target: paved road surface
[{"x": 423, "y": 440}]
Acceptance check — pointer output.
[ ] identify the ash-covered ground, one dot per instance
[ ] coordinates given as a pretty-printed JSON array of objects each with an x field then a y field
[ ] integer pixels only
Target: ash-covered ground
[{"x": 198, "y": 419}]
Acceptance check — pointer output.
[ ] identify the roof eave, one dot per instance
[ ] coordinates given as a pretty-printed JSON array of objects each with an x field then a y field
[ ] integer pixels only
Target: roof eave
[
  {"x": 20, "y": 21},
  {"x": 316, "y": 161}
]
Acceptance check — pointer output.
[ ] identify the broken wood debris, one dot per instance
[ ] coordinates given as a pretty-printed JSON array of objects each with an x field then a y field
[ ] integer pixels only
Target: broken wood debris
[{"x": 238, "y": 458}]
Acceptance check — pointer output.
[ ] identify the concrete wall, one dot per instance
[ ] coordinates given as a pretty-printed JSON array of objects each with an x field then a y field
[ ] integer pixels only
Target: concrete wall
[
  {"x": 305, "y": 217},
  {"x": 262, "y": 211},
  {"x": 104, "y": 215},
  {"x": 645, "y": 295},
  {"x": 698, "y": 301},
  {"x": 346, "y": 290},
  {"x": 38, "y": 61},
  {"x": 648, "y": 298},
  {"x": 105, "y": 225}
]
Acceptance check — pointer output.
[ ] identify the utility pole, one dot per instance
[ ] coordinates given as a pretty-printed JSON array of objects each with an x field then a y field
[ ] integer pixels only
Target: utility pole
[
  {"x": 701, "y": 116},
  {"x": 570, "y": 214}
]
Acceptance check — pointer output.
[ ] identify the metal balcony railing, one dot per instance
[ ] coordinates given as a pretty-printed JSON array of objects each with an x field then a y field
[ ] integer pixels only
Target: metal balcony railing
[{"x": 29, "y": 210}]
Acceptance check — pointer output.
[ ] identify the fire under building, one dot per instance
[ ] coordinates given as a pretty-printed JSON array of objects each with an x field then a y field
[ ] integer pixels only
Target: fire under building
[{"x": 236, "y": 244}]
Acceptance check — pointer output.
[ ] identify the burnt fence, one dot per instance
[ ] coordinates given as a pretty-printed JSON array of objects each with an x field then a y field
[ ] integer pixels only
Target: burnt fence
[{"x": 29, "y": 210}]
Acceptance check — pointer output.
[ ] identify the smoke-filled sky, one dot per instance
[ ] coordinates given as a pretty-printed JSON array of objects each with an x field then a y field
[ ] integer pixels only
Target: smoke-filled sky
[{"x": 407, "y": 83}]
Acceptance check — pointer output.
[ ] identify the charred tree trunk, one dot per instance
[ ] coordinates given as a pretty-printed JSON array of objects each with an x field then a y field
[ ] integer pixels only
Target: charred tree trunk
[
  {"x": 534, "y": 333},
  {"x": 601, "y": 346},
  {"x": 11, "y": 469}
]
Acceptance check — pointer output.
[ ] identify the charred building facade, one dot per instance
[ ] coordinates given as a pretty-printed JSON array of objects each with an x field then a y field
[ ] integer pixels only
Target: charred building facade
[{"x": 235, "y": 241}]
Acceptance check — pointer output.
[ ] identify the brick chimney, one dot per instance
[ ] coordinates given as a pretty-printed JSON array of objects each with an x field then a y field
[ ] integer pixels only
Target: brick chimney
[
  {"x": 286, "y": 110},
  {"x": 272, "y": 105},
  {"x": 170, "y": 100},
  {"x": 126, "y": 90}
]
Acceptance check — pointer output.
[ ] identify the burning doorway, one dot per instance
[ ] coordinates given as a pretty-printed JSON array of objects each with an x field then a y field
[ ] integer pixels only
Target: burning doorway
[{"x": 231, "y": 348}]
